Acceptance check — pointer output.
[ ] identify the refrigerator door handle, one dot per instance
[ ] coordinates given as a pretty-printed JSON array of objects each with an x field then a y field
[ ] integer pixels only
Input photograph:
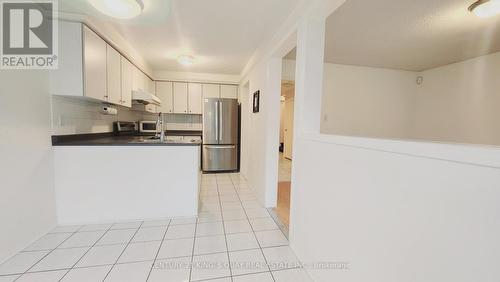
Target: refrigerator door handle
[
  {"x": 217, "y": 121},
  {"x": 220, "y": 147},
  {"x": 220, "y": 121}
]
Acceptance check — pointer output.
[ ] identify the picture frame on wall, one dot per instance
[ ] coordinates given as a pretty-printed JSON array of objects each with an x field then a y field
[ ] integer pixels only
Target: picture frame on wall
[{"x": 256, "y": 101}]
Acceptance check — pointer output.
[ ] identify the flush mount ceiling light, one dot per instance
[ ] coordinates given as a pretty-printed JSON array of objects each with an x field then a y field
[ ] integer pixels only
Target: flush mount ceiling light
[
  {"x": 121, "y": 9},
  {"x": 485, "y": 8},
  {"x": 185, "y": 60}
]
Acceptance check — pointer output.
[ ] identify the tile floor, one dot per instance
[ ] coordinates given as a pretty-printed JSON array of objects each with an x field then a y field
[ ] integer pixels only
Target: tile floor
[{"x": 233, "y": 239}]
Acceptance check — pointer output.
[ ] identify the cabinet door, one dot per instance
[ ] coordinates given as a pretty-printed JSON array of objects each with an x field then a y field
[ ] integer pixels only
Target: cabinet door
[
  {"x": 195, "y": 98},
  {"x": 152, "y": 86},
  {"x": 144, "y": 82},
  {"x": 114, "y": 75},
  {"x": 137, "y": 80},
  {"x": 94, "y": 66},
  {"x": 127, "y": 80},
  {"x": 229, "y": 91},
  {"x": 211, "y": 91},
  {"x": 180, "y": 98},
  {"x": 164, "y": 92}
]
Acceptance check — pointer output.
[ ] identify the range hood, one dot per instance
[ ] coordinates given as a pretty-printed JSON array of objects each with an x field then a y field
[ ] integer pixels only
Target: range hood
[{"x": 145, "y": 98}]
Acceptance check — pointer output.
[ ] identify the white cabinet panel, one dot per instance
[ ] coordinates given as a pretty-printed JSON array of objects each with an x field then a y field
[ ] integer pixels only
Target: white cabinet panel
[
  {"x": 195, "y": 98},
  {"x": 94, "y": 65},
  {"x": 211, "y": 91},
  {"x": 113, "y": 71},
  {"x": 127, "y": 80},
  {"x": 164, "y": 91},
  {"x": 137, "y": 81},
  {"x": 180, "y": 98},
  {"x": 151, "y": 86},
  {"x": 67, "y": 79},
  {"x": 229, "y": 91}
]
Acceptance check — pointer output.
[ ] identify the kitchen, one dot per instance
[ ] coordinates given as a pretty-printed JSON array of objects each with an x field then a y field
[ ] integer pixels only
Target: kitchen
[
  {"x": 93, "y": 70},
  {"x": 130, "y": 146},
  {"x": 121, "y": 160}
]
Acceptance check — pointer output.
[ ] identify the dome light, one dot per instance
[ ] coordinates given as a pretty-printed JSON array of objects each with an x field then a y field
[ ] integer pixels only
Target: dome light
[
  {"x": 121, "y": 9},
  {"x": 485, "y": 8},
  {"x": 185, "y": 60}
]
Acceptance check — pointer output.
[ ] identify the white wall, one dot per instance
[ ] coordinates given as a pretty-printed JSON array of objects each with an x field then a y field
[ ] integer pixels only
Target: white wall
[
  {"x": 456, "y": 103},
  {"x": 77, "y": 116},
  {"x": 262, "y": 132},
  {"x": 370, "y": 102},
  {"x": 365, "y": 101},
  {"x": 244, "y": 99},
  {"x": 460, "y": 102},
  {"x": 396, "y": 211},
  {"x": 27, "y": 200}
]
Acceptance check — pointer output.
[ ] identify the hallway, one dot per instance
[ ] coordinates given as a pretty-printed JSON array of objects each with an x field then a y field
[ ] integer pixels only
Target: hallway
[
  {"x": 284, "y": 190},
  {"x": 233, "y": 239}
]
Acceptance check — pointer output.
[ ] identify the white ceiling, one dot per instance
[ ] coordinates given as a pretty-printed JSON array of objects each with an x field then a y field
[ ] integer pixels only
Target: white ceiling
[
  {"x": 410, "y": 35},
  {"x": 221, "y": 34}
]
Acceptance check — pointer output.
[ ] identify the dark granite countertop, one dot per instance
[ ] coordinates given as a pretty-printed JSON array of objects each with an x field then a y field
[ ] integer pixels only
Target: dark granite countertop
[{"x": 108, "y": 139}]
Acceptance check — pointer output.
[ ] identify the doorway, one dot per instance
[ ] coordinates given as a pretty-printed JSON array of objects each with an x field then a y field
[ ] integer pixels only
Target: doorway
[{"x": 286, "y": 141}]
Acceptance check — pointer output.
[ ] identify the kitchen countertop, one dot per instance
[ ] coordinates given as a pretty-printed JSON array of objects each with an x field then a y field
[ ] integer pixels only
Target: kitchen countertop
[{"x": 108, "y": 139}]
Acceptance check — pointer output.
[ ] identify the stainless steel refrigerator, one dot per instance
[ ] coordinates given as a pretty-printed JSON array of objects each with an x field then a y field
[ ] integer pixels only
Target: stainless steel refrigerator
[{"x": 220, "y": 135}]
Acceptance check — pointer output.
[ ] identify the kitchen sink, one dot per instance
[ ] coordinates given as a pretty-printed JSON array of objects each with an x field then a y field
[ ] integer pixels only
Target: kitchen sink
[{"x": 153, "y": 140}]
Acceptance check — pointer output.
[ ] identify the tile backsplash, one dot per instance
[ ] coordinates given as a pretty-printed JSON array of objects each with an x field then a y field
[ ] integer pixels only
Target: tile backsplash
[{"x": 78, "y": 116}]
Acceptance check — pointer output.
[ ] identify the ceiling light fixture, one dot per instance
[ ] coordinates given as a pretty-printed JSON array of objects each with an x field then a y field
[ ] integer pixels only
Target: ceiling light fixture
[
  {"x": 121, "y": 9},
  {"x": 185, "y": 60},
  {"x": 485, "y": 8}
]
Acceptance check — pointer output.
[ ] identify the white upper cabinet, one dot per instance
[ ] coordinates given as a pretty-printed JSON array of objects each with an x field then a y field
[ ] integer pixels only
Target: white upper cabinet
[
  {"x": 127, "y": 80},
  {"x": 195, "y": 98},
  {"x": 211, "y": 90},
  {"x": 220, "y": 91},
  {"x": 114, "y": 76},
  {"x": 229, "y": 91},
  {"x": 137, "y": 80},
  {"x": 90, "y": 67},
  {"x": 151, "y": 86},
  {"x": 180, "y": 98},
  {"x": 94, "y": 62},
  {"x": 164, "y": 91}
]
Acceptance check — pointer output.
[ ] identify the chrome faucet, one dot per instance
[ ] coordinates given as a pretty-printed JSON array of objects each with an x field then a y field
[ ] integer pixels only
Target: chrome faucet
[{"x": 159, "y": 125}]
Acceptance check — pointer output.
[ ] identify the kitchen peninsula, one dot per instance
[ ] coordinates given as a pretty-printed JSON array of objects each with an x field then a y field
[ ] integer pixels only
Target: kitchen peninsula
[{"x": 112, "y": 179}]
